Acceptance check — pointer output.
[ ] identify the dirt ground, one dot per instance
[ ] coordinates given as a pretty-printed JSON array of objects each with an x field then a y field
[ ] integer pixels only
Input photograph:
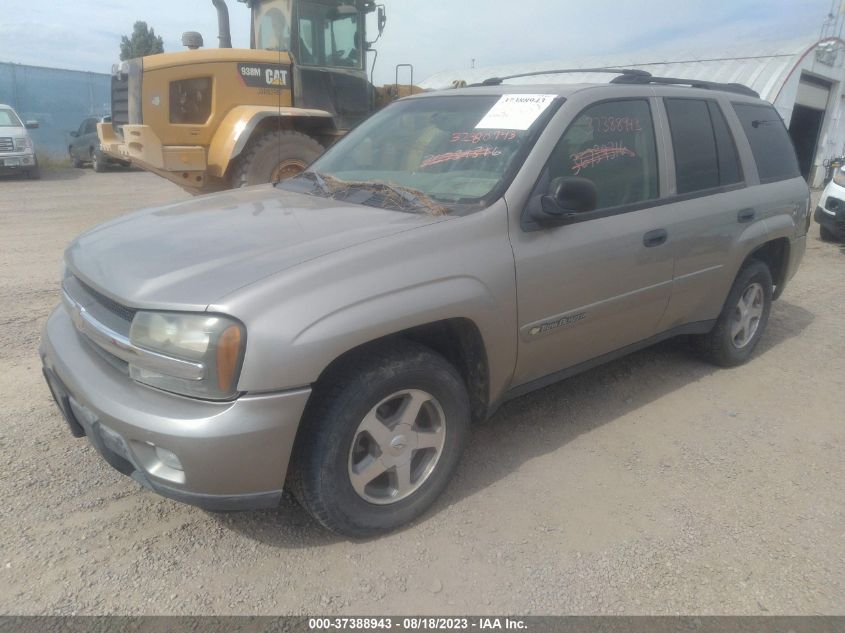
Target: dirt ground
[{"x": 653, "y": 485}]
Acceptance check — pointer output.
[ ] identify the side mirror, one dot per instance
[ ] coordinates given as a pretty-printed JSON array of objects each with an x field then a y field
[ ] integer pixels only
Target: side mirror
[
  {"x": 567, "y": 197},
  {"x": 75, "y": 134},
  {"x": 32, "y": 125},
  {"x": 382, "y": 19}
]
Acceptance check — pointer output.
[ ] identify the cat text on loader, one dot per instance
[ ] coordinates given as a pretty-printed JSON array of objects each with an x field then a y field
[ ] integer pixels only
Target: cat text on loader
[{"x": 212, "y": 119}]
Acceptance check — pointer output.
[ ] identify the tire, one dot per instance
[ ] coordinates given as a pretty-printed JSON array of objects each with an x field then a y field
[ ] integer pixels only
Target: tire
[
  {"x": 98, "y": 161},
  {"x": 78, "y": 164},
  {"x": 722, "y": 345},
  {"x": 329, "y": 445},
  {"x": 826, "y": 234},
  {"x": 35, "y": 172},
  {"x": 273, "y": 156}
]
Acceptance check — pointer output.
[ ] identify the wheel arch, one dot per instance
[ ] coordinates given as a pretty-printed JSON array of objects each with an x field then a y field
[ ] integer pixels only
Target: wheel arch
[
  {"x": 245, "y": 123},
  {"x": 775, "y": 254},
  {"x": 458, "y": 340}
]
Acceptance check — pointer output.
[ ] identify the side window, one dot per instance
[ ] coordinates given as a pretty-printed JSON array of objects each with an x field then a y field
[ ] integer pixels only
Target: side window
[
  {"x": 91, "y": 126},
  {"x": 328, "y": 36},
  {"x": 306, "y": 41},
  {"x": 273, "y": 30},
  {"x": 341, "y": 42},
  {"x": 696, "y": 164},
  {"x": 769, "y": 140},
  {"x": 705, "y": 155},
  {"x": 611, "y": 143},
  {"x": 730, "y": 171}
]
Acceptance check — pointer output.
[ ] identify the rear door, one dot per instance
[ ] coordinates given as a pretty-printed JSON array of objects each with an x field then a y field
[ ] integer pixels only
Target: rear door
[
  {"x": 711, "y": 206},
  {"x": 727, "y": 202},
  {"x": 589, "y": 288}
]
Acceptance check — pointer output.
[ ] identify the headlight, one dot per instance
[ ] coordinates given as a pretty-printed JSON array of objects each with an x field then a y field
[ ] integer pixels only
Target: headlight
[
  {"x": 215, "y": 341},
  {"x": 839, "y": 177},
  {"x": 23, "y": 143}
]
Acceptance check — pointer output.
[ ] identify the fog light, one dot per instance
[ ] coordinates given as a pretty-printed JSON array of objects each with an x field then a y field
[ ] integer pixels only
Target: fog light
[{"x": 168, "y": 458}]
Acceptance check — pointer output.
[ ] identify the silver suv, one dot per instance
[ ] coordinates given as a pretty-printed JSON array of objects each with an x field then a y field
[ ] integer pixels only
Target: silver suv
[
  {"x": 337, "y": 333},
  {"x": 17, "y": 152}
]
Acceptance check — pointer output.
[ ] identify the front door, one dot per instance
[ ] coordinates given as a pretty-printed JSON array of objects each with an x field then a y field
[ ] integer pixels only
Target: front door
[{"x": 595, "y": 286}]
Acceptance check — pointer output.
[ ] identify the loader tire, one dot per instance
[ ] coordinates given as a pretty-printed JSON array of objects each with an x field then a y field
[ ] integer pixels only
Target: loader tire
[{"x": 273, "y": 156}]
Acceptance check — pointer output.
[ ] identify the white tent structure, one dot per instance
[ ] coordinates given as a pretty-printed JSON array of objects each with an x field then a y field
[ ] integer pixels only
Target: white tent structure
[{"x": 804, "y": 80}]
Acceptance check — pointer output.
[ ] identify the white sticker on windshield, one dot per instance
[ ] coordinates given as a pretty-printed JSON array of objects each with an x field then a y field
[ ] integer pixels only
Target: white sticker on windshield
[{"x": 515, "y": 112}]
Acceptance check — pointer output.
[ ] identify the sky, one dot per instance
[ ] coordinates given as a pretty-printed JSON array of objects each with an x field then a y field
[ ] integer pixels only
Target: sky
[{"x": 433, "y": 35}]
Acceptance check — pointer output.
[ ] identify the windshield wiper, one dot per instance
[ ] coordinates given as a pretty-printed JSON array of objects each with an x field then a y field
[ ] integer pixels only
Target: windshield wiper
[
  {"x": 318, "y": 180},
  {"x": 396, "y": 195}
]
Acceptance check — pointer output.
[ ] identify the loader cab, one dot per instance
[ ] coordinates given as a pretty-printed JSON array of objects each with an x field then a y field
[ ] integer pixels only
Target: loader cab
[{"x": 327, "y": 40}]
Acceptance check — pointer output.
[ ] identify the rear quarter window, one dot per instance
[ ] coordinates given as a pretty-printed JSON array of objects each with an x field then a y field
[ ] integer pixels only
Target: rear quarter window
[{"x": 770, "y": 143}]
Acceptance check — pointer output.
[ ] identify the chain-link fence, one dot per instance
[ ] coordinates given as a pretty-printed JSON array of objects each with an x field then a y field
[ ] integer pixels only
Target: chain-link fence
[{"x": 58, "y": 99}]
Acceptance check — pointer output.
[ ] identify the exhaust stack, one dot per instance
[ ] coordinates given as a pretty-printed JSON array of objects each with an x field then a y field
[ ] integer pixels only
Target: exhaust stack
[{"x": 224, "y": 32}]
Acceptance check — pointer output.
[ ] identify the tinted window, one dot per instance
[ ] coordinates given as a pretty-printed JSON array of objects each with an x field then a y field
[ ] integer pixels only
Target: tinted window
[
  {"x": 91, "y": 126},
  {"x": 729, "y": 170},
  {"x": 696, "y": 161},
  {"x": 770, "y": 143},
  {"x": 612, "y": 144}
]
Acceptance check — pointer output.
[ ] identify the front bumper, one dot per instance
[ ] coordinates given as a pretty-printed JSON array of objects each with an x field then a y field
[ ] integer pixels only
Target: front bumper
[
  {"x": 234, "y": 455},
  {"x": 186, "y": 165},
  {"x": 833, "y": 221},
  {"x": 17, "y": 162}
]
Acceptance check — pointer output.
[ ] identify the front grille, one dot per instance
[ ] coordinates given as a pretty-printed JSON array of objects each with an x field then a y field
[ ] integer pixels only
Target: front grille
[
  {"x": 117, "y": 309},
  {"x": 103, "y": 306},
  {"x": 7, "y": 144},
  {"x": 119, "y": 99}
]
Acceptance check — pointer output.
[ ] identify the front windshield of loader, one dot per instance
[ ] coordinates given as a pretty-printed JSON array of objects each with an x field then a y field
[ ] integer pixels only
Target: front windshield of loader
[
  {"x": 434, "y": 154},
  {"x": 272, "y": 25}
]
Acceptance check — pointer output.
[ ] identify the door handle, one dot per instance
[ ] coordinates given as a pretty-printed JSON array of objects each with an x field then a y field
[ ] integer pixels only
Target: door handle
[
  {"x": 745, "y": 216},
  {"x": 655, "y": 237}
]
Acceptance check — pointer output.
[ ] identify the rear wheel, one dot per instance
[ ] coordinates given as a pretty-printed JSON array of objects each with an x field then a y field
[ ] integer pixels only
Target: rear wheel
[
  {"x": 743, "y": 319},
  {"x": 382, "y": 439},
  {"x": 273, "y": 156}
]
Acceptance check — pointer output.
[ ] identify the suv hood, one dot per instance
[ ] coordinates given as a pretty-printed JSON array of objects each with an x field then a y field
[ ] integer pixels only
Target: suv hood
[
  {"x": 13, "y": 130},
  {"x": 185, "y": 256}
]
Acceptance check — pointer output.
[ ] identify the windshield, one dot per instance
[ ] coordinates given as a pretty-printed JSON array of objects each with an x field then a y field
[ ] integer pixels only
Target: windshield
[
  {"x": 272, "y": 25},
  {"x": 330, "y": 34},
  {"x": 9, "y": 118},
  {"x": 433, "y": 154}
]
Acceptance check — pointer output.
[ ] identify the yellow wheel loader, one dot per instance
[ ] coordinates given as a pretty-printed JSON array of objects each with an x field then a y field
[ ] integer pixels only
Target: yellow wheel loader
[{"x": 213, "y": 119}]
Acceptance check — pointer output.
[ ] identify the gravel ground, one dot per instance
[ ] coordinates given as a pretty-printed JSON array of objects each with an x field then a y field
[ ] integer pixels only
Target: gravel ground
[{"x": 653, "y": 485}]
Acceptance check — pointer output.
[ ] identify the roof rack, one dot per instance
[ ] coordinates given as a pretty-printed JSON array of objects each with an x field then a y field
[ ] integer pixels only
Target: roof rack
[
  {"x": 693, "y": 83},
  {"x": 631, "y": 76},
  {"x": 625, "y": 72}
]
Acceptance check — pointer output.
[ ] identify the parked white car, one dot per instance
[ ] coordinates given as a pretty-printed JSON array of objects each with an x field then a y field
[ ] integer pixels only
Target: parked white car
[
  {"x": 17, "y": 152},
  {"x": 830, "y": 213}
]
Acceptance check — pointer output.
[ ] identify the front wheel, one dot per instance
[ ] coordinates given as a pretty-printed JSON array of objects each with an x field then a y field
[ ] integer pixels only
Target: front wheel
[
  {"x": 382, "y": 440},
  {"x": 98, "y": 161},
  {"x": 273, "y": 156},
  {"x": 743, "y": 319}
]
